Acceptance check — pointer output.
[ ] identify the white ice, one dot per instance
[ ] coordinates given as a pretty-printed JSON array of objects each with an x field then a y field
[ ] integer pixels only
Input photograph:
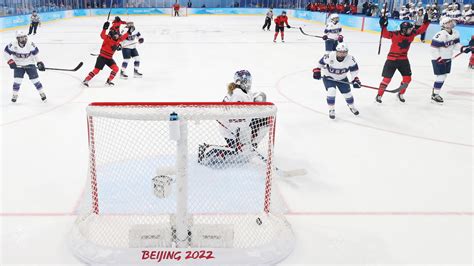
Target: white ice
[{"x": 393, "y": 185}]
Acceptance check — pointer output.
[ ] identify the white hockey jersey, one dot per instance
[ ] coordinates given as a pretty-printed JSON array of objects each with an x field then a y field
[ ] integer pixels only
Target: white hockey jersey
[
  {"x": 443, "y": 44},
  {"x": 338, "y": 70},
  {"x": 468, "y": 16},
  {"x": 131, "y": 41},
  {"x": 332, "y": 30},
  {"x": 23, "y": 56}
]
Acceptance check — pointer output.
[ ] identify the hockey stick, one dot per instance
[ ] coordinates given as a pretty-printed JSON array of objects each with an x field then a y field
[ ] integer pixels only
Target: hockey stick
[
  {"x": 381, "y": 31},
  {"x": 110, "y": 10},
  {"x": 280, "y": 172},
  {"x": 57, "y": 69},
  {"x": 367, "y": 86},
  {"x": 304, "y": 33}
]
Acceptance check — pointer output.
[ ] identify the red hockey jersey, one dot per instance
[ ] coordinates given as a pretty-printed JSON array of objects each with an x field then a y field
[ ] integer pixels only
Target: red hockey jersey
[
  {"x": 401, "y": 43},
  {"x": 109, "y": 45}
]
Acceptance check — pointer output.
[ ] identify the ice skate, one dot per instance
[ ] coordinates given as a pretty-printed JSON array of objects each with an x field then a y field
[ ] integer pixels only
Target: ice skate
[
  {"x": 14, "y": 98},
  {"x": 109, "y": 83},
  {"x": 437, "y": 98},
  {"x": 353, "y": 110},
  {"x": 43, "y": 96},
  {"x": 123, "y": 75},
  {"x": 332, "y": 114},
  {"x": 378, "y": 98},
  {"x": 137, "y": 74},
  {"x": 401, "y": 97}
]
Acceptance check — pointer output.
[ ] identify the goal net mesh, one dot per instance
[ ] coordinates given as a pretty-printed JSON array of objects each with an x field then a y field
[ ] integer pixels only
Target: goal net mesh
[{"x": 181, "y": 176}]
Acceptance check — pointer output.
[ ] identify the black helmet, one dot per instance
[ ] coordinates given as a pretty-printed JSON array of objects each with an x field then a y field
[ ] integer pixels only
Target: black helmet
[
  {"x": 117, "y": 19},
  {"x": 405, "y": 26}
]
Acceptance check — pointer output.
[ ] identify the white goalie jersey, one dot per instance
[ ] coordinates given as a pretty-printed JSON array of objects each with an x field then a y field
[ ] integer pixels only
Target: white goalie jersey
[{"x": 23, "y": 56}]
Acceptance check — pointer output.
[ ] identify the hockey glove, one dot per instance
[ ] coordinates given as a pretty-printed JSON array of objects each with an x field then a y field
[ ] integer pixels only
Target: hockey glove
[
  {"x": 340, "y": 38},
  {"x": 383, "y": 22},
  {"x": 325, "y": 37},
  {"x": 106, "y": 25},
  {"x": 141, "y": 40},
  {"x": 116, "y": 47},
  {"x": 40, "y": 66},
  {"x": 12, "y": 64},
  {"x": 288, "y": 26},
  {"x": 465, "y": 49},
  {"x": 356, "y": 83},
  {"x": 317, "y": 73}
]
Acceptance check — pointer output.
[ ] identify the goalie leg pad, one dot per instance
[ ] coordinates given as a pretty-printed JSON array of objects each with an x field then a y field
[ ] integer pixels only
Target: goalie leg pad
[{"x": 216, "y": 156}]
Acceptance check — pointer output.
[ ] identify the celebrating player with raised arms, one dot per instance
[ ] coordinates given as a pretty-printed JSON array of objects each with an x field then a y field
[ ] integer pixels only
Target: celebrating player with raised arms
[
  {"x": 117, "y": 23},
  {"x": 442, "y": 46},
  {"x": 335, "y": 67},
  {"x": 332, "y": 33},
  {"x": 109, "y": 46},
  {"x": 241, "y": 135},
  {"x": 129, "y": 50},
  {"x": 280, "y": 22},
  {"x": 21, "y": 55},
  {"x": 397, "y": 58}
]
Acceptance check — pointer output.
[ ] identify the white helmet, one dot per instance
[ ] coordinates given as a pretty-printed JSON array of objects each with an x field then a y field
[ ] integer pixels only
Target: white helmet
[
  {"x": 332, "y": 17},
  {"x": 467, "y": 7},
  {"x": 447, "y": 23},
  {"x": 445, "y": 5},
  {"x": 21, "y": 37},
  {"x": 420, "y": 4},
  {"x": 341, "y": 51}
]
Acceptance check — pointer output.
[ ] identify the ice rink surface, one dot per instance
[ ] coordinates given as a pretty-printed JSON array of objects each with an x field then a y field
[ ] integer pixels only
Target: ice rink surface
[{"x": 391, "y": 186}]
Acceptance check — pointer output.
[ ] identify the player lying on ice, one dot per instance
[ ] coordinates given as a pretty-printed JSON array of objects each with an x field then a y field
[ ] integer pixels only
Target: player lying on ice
[{"x": 242, "y": 136}]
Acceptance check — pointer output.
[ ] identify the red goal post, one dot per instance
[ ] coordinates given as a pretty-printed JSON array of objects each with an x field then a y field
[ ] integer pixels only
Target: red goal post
[{"x": 181, "y": 177}]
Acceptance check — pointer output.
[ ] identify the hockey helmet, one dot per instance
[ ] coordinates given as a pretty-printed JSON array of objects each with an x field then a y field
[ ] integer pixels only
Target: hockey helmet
[
  {"x": 283, "y": 12},
  {"x": 467, "y": 7},
  {"x": 21, "y": 37},
  {"x": 447, "y": 23},
  {"x": 117, "y": 19},
  {"x": 406, "y": 28},
  {"x": 341, "y": 51},
  {"x": 334, "y": 18},
  {"x": 243, "y": 78},
  {"x": 115, "y": 35},
  {"x": 131, "y": 26}
]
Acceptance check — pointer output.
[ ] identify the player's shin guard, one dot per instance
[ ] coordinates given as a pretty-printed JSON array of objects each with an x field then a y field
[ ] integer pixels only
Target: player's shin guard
[
  {"x": 94, "y": 72},
  {"x": 405, "y": 81},
  {"x": 349, "y": 98},
  {"x": 275, "y": 37},
  {"x": 125, "y": 64},
  {"x": 383, "y": 85},
  {"x": 438, "y": 84},
  {"x": 37, "y": 84},
  {"x": 113, "y": 72},
  {"x": 16, "y": 85}
]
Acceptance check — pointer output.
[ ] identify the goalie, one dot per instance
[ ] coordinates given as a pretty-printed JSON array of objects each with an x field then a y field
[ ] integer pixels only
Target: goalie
[{"x": 242, "y": 135}]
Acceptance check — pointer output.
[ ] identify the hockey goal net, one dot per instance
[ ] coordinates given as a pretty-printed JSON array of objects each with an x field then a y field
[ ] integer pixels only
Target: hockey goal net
[
  {"x": 181, "y": 12},
  {"x": 181, "y": 182}
]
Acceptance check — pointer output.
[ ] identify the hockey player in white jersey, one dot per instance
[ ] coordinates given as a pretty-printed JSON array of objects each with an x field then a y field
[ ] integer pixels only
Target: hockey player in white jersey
[
  {"x": 443, "y": 45},
  {"x": 335, "y": 67},
  {"x": 455, "y": 12},
  {"x": 332, "y": 33},
  {"x": 22, "y": 55},
  {"x": 129, "y": 51},
  {"x": 468, "y": 15},
  {"x": 241, "y": 136}
]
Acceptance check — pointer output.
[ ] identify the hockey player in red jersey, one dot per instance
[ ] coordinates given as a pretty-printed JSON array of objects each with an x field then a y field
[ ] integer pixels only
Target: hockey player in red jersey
[
  {"x": 280, "y": 22},
  {"x": 109, "y": 46},
  {"x": 471, "y": 46},
  {"x": 117, "y": 23},
  {"x": 397, "y": 58}
]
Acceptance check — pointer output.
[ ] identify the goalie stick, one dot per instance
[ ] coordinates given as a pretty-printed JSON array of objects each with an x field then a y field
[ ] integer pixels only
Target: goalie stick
[
  {"x": 280, "y": 172},
  {"x": 402, "y": 86},
  {"x": 57, "y": 69},
  {"x": 304, "y": 33}
]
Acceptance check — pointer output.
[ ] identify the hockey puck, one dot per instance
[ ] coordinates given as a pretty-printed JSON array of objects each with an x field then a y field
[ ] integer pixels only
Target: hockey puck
[{"x": 259, "y": 222}]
